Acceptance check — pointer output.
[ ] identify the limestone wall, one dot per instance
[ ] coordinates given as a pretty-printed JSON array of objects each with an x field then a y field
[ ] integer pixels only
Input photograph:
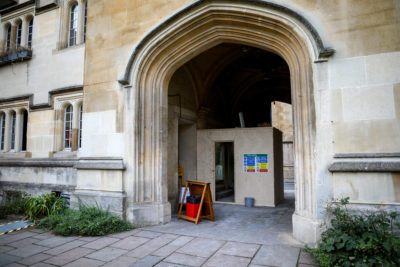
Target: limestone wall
[
  {"x": 50, "y": 67},
  {"x": 281, "y": 114}
]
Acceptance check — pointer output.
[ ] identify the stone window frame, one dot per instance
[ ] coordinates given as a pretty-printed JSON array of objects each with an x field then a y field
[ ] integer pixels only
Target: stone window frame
[
  {"x": 73, "y": 17},
  {"x": 29, "y": 33},
  {"x": 65, "y": 19},
  {"x": 6, "y": 130},
  {"x": 7, "y": 36},
  {"x": 60, "y": 103},
  {"x": 10, "y": 44}
]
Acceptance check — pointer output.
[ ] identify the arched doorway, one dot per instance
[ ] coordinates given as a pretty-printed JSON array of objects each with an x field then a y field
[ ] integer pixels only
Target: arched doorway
[{"x": 190, "y": 32}]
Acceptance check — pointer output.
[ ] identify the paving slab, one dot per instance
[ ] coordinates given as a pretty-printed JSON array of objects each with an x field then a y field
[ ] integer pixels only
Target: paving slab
[
  {"x": 12, "y": 237},
  {"x": 257, "y": 225},
  {"x": 201, "y": 247},
  {"x": 167, "y": 264},
  {"x": 5, "y": 249},
  {"x": 101, "y": 243},
  {"x": 130, "y": 242},
  {"x": 88, "y": 238},
  {"x": 148, "y": 234},
  {"x": 107, "y": 254},
  {"x": 148, "y": 261},
  {"x": 43, "y": 236},
  {"x": 306, "y": 258},
  {"x": 42, "y": 264},
  {"x": 184, "y": 259},
  {"x": 121, "y": 261},
  {"x": 38, "y": 230},
  {"x": 151, "y": 246},
  {"x": 24, "y": 242},
  {"x": 27, "y": 251},
  {"x": 65, "y": 247},
  {"x": 277, "y": 255},
  {"x": 222, "y": 260},
  {"x": 6, "y": 259},
  {"x": 171, "y": 247},
  {"x": 124, "y": 234},
  {"x": 14, "y": 264},
  {"x": 239, "y": 249},
  {"x": 34, "y": 259},
  {"x": 84, "y": 262},
  {"x": 55, "y": 241},
  {"x": 69, "y": 256}
]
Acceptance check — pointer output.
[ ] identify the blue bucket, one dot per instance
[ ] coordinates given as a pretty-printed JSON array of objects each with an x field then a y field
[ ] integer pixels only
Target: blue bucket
[{"x": 249, "y": 202}]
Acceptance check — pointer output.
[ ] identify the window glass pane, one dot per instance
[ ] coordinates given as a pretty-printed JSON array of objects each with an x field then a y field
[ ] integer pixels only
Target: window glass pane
[
  {"x": 19, "y": 35},
  {"x": 73, "y": 25},
  {"x": 12, "y": 134},
  {"x": 84, "y": 23},
  {"x": 30, "y": 32},
  {"x": 80, "y": 128},
  {"x": 24, "y": 130},
  {"x": 8, "y": 38},
  {"x": 2, "y": 130},
  {"x": 68, "y": 127}
]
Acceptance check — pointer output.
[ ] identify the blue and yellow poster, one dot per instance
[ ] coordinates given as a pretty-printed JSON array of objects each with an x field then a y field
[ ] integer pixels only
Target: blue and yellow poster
[{"x": 255, "y": 163}]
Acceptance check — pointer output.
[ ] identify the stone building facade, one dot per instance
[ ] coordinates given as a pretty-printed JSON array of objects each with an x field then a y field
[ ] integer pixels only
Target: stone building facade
[{"x": 102, "y": 99}]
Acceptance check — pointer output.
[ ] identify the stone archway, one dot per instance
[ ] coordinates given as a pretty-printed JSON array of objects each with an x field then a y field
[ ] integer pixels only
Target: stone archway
[{"x": 188, "y": 33}]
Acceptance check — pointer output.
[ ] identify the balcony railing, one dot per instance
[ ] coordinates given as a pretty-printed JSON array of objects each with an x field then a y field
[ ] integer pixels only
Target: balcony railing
[{"x": 15, "y": 55}]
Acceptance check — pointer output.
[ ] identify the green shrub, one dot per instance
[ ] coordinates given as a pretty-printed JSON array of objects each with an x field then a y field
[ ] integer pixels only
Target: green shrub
[
  {"x": 44, "y": 205},
  {"x": 13, "y": 203},
  {"x": 358, "y": 240},
  {"x": 88, "y": 221}
]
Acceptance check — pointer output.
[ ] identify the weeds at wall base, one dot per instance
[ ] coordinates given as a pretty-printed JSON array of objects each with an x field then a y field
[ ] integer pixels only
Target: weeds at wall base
[{"x": 368, "y": 239}]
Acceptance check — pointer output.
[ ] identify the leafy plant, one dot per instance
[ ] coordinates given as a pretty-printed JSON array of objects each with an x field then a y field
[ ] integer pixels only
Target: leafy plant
[
  {"x": 358, "y": 240},
  {"x": 90, "y": 221},
  {"x": 44, "y": 205},
  {"x": 13, "y": 203}
]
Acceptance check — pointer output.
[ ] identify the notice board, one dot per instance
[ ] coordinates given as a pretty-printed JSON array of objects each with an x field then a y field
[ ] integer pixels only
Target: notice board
[{"x": 257, "y": 163}]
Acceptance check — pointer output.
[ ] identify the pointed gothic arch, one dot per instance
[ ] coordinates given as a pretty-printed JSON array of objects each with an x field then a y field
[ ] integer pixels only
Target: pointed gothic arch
[{"x": 188, "y": 33}]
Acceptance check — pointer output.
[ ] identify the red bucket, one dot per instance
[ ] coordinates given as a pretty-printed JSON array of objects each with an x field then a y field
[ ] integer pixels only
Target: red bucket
[{"x": 192, "y": 210}]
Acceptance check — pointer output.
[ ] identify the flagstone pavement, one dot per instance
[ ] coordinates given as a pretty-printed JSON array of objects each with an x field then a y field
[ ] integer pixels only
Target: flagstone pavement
[{"x": 239, "y": 236}]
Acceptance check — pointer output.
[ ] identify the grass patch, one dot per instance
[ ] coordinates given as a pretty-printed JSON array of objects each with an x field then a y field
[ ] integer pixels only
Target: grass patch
[
  {"x": 13, "y": 203},
  {"x": 88, "y": 221}
]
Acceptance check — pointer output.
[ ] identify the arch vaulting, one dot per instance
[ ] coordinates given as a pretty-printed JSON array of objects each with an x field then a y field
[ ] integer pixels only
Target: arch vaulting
[{"x": 188, "y": 33}]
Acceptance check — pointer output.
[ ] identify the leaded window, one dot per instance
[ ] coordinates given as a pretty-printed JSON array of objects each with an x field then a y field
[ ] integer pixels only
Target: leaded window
[
  {"x": 8, "y": 38},
  {"x": 18, "y": 36},
  {"x": 13, "y": 130},
  {"x": 73, "y": 25},
  {"x": 80, "y": 128},
  {"x": 2, "y": 129},
  {"x": 84, "y": 23},
  {"x": 30, "y": 33},
  {"x": 68, "y": 127}
]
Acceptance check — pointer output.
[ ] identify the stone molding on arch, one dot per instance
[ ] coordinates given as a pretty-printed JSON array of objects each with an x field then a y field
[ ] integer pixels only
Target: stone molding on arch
[
  {"x": 323, "y": 52},
  {"x": 187, "y": 34}
]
